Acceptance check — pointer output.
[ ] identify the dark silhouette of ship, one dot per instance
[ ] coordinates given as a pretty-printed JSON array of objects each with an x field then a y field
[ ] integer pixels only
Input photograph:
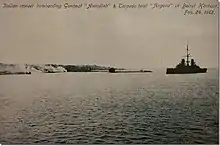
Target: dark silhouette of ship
[
  {"x": 186, "y": 67},
  {"x": 113, "y": 70},
  {"x": 27, "y": 70}
]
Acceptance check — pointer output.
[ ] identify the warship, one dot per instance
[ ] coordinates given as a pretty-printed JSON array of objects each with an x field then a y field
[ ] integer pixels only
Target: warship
[{"x": 186, "y": 67}]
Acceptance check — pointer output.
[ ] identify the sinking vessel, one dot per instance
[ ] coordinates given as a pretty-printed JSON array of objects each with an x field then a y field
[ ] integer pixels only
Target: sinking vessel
[{"x": 186, "y": 67}]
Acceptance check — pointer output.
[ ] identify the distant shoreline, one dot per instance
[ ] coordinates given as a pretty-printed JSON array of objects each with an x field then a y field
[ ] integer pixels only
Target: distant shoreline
[
  {"x": 22, "y": 73},
  {"x": 92, "y": 71},
  {"x": 17, "y": 73},
  {"x": 18, "y": 69}
]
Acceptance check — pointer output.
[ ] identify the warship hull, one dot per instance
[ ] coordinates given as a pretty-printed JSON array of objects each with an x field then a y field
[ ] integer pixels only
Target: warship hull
[
  {"x": 186, "y": 67},
  {"x": 185, "y": 71}
]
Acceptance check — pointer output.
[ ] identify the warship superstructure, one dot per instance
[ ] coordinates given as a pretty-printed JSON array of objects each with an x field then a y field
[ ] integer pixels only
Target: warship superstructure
[{"x": 186, "y": 67}]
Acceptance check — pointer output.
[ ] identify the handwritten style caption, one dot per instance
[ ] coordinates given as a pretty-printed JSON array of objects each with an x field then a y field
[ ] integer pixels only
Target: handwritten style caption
[{"x": 186, "y": 8}]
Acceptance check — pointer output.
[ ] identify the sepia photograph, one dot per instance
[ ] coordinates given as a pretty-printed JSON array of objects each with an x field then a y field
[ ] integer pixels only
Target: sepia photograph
[{"x": 109, "y": 72}]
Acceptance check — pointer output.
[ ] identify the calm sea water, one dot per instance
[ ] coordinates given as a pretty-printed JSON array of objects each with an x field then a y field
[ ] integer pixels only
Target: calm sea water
[{"x": 102, "y": 108}]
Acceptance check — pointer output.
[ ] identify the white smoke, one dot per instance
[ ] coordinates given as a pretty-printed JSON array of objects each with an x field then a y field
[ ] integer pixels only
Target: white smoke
[
  {"x": 23, "y": 68},
  {"x": 47, "y": 68},
  {"x": 12, "y": 68}
]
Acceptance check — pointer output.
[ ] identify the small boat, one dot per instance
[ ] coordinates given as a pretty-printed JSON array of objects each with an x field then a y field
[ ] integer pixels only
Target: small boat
[
  {"x": 27, "y": 69},
  {"x": 186, "y": 67}
]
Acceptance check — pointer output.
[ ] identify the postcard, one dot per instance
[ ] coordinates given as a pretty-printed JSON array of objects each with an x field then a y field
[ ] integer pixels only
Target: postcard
[{"x": 109, "y": 72}]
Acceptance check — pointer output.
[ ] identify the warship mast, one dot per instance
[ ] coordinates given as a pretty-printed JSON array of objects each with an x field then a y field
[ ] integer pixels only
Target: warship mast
[{"x": 187, "y": 54}]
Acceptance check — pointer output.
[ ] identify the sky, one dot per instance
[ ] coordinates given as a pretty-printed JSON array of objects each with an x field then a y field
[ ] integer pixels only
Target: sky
[{"x": 132, "y": 38}]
